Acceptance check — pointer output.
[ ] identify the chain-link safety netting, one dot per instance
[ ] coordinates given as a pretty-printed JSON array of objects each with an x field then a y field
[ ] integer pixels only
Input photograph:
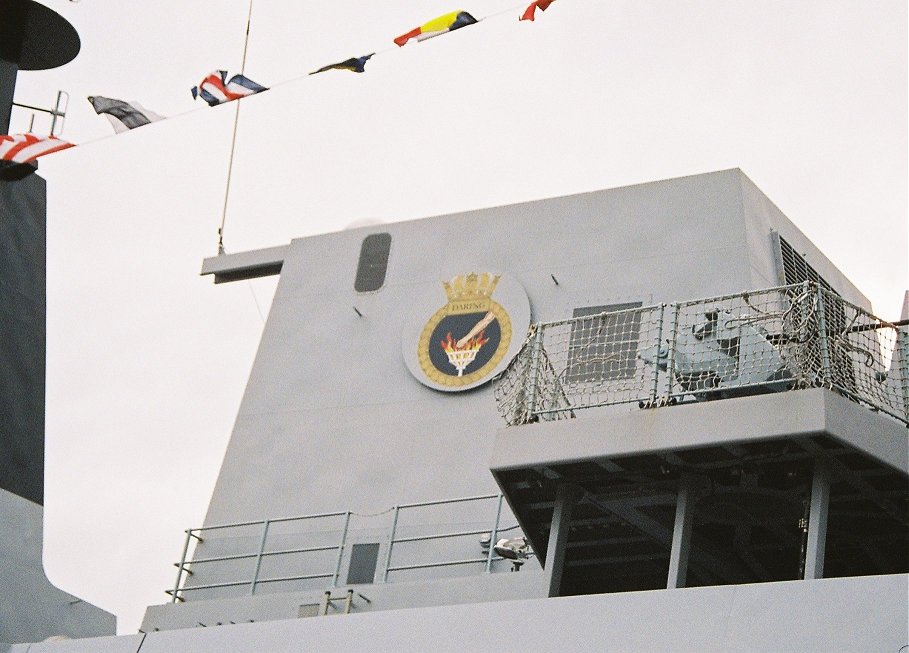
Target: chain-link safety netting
[{"x": 793, "y": 337}]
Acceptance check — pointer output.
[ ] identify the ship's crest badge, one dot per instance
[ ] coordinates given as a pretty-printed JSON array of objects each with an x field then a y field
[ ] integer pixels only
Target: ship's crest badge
[
  {"x": 472, "y": 337},
  {"x": 468, "y": 337}
]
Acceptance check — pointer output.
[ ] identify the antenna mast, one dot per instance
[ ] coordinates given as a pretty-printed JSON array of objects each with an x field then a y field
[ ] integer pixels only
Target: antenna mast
[{"x": 233, "y": 140}]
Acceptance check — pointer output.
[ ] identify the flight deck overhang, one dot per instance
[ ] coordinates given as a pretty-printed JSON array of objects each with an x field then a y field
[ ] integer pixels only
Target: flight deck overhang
[
  {"x": 724, "y": 423},
  {"x": 795, "y": 485}
]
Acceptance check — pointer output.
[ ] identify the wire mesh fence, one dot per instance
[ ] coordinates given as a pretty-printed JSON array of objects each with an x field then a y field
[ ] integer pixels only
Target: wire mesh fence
[
  {"x": 587, "y": 361},
  {"x": 792, "y": 337},
  {"x": 855, "y": 340}
]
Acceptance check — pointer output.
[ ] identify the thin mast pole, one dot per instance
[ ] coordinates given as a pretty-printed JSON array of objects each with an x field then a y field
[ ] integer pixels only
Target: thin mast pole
[{"x": 233, "y": 140}]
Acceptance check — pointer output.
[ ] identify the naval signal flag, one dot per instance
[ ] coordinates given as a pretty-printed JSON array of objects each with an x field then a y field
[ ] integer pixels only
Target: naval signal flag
[
  {"x": 23, "y": 148},
  {"x": 354, "y": 64},
  {"x": 435, "y": 27},
  {"x": 217, "y": 89},
  {"x": 532, "y": 8},
  {"x": 123, "y": 116}
]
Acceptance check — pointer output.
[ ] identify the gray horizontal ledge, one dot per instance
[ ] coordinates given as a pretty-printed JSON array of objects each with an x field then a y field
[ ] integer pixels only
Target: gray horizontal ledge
[
  {"x": 245, "y": 265},
  {"x": 797, "y": 413}
]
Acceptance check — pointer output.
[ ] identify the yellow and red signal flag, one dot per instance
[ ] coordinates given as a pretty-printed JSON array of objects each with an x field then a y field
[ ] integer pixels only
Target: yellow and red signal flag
[
  {"x": 435, "y": 27},
  {"x": 532, "y": 8}
]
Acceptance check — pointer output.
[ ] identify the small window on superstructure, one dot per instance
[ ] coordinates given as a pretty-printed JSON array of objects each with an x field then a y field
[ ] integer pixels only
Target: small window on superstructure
[
  {"x": 603, "y": 347},
  {"x": 373, "y": 262}
]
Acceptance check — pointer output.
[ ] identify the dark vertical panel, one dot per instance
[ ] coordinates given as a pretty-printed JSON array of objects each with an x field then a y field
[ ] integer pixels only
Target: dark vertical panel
[
  {"x": 373, "y": 262},
  {"x": 22, "y": 336},
  {"x": 7, "y": 88},
  {"x": 363, "y": 558}
]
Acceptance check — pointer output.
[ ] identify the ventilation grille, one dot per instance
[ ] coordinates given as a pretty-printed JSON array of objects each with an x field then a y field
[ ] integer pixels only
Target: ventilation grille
[{"x": 797, "y": 270}]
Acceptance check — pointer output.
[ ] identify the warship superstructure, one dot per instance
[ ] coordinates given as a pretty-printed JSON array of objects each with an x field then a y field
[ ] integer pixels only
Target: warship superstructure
[
  {"x": 688, "y": 395},
  {"x": 694, "y": 435},
  {"x": 647, "y": 418}
]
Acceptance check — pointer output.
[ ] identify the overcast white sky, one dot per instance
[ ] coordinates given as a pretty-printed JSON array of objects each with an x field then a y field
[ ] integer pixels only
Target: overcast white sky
[{"x": 147, "y": 361}]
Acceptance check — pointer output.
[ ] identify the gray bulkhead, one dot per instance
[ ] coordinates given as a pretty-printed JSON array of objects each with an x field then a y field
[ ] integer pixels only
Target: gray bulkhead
[{"x": 333, "y": 420}]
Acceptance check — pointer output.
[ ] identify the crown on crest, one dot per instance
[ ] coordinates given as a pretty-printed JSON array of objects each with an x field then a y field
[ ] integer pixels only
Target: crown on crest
[{"x": 471, "y": 286}]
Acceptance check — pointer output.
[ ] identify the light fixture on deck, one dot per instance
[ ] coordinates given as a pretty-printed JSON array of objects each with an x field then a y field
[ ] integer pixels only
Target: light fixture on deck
[{"x": 515, "y": 549}]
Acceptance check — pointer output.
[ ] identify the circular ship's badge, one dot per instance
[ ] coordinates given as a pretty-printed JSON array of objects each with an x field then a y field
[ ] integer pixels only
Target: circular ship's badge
[{"x": 469, "y": 339}]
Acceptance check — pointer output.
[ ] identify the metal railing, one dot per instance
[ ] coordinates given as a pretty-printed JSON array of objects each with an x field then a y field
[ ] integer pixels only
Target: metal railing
[
  {"x": 184, "y": 567},
  {"x": 773, "y": 340},
  {"x": 394, "y": 539},
  {"x": 240, "y": 531}
]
